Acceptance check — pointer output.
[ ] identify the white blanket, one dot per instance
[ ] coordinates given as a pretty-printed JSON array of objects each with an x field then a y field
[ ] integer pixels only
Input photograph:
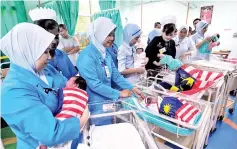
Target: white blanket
[{"x": 116, "y": 136}]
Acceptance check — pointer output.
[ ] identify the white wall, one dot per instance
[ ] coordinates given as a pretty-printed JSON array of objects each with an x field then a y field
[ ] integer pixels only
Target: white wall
[
  {"x": 224, "y": 17},
  {"x": 153, "y": 12}
]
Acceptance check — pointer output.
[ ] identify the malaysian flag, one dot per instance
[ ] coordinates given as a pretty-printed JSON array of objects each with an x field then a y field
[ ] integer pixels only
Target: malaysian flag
[
  {"x": 204, "y": 79},
  {"x": 74, "y": 103},
  {"x": 231, "y": 60},
  {"x": 173, "y": 107}
]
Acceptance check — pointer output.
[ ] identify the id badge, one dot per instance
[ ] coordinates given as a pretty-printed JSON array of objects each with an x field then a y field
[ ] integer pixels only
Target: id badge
[
  {"x": 162, "y": 50},
  {"x": 107, "y": 71},
  {"x": 108, "y": 107}
]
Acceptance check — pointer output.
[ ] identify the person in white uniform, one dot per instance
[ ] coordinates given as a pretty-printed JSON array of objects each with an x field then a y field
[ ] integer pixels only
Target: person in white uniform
[
  {"x": 184, "y": 45},
  {"x": 68, "y": 44},
  {"x": 127, "y": 53}
]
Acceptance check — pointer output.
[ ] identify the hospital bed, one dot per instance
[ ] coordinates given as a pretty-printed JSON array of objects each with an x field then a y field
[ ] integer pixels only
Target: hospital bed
[
  {"x": 227, "y": 67},
  {"x": 126, "y": 130},
  {"x": 195, "y": 134}
]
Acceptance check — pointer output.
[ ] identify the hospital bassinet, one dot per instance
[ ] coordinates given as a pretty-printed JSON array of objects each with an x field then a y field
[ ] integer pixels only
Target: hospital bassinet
[
  {"x": 198, "y": 130},
  {"x": 125, "y": 130},
  {"x": 229, "y": 69}
]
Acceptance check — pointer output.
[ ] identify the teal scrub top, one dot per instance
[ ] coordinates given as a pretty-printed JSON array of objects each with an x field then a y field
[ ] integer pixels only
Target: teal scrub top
[
  {"x": 29, "y": 106},
  {"x": 63, "y": 64},
  {"x": 91, "y": 66}
]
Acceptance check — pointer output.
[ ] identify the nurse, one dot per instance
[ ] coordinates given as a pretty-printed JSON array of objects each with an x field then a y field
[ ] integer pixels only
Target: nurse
[
  {"x": 30, "y": 97},
  {"x": 184, "y": 45},
  {"x": 127, "y": 52},
  {"x": 96, "y": 66},
  {"x": 58, "y": 59},
  {"x": 199, "y": 39},
  {"x": 113, "y": 51}
]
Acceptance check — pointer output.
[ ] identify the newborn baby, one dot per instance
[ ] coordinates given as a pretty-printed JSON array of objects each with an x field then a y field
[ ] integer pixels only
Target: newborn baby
[{"x": 74, "y": 104}]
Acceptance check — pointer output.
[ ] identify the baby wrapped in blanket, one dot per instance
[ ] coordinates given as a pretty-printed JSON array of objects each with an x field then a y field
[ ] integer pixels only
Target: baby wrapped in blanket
[
  {"x": 74, "y": 105},
  {"x": 173, "y": 107}
]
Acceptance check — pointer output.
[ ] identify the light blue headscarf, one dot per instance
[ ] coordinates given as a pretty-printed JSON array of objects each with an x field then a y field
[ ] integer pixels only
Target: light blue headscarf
[
  {"x": 155, "y": 32},
  {"x": 200, "y": 26},
  {"x": 130, "y": 32}
]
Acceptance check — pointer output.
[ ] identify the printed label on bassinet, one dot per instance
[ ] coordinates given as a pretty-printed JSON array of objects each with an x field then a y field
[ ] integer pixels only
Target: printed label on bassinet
[{"x": 108, "y": 107}]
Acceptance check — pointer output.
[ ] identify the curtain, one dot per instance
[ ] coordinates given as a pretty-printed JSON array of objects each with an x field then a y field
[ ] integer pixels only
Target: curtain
[
  {"x": 109, "y": 4},
  {"x": 113, "y": 15},
  {"x": 12, "y": 13},
  {"x": 69, "y": 13},
  {"x": 53, "y": 5}
]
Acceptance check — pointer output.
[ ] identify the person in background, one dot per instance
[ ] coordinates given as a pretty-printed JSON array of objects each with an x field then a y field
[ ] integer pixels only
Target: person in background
[
  {"x": 161, "y": 42},
  {"x": 127, "y": 54},
  {"x": 195, "y": 22},
  {"x": 96, "y": 66},
  {"x": 189, "y": 31},
  {"x": 31, "y": 97},
  {"x": 68, "y": 44},
  {"x": 155, "y": 32},
  {"x": 199, "y": 39},
  {"x": 58, "y": 59},
  {"x": 184, "y": 45}
]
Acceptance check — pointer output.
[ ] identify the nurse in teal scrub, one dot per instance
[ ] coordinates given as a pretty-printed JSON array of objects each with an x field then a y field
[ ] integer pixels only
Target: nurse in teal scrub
[
  {"x": 31, "y": 97},
  {"x": 96, "y": 66}
]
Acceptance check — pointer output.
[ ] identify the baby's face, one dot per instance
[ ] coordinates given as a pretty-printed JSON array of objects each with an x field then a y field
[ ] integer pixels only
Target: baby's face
[
  {"x": 71, "y": 82},
  {"x": 139, "y": 51}
]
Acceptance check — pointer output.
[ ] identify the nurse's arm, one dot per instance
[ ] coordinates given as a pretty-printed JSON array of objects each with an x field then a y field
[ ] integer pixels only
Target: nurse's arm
[
  {"x": 198, "y": 45},
  {"x": 38, "y": 122},
  {"x": 71, "y": 67},
  {"x": 89, "y": 73},
  {"x": 122, "y": 64},
  {"x": 120, "y": 80}
]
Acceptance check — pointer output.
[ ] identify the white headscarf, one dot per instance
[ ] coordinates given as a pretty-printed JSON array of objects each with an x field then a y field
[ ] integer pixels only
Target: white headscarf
[
  {"x": 98, "y": 31},
  {"x": 130, "y": 32},
  {"x": 183, "y": 27},
  {"x": 25, "y": 43}
]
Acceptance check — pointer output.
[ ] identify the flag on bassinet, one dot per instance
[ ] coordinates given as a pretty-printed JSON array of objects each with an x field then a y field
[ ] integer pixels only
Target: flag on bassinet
[
  {"x": 204, "y": 79},
  {"x": 179, "y": 109},
  {"x": 74, "y": 103}
]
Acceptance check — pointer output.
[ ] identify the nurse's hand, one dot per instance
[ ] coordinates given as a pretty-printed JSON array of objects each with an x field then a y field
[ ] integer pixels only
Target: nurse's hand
[
  {"x": 140, "y": 70},
  {"x": 145, "y": 62},
  {"x": 138, "y": 93},
  {"x": 84, "y": 118},
  {"x": 125, "y": 93}
]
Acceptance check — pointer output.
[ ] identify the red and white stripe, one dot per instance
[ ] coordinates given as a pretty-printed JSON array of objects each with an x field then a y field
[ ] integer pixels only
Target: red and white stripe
[
  {"x": 204, "y": 79},
  {"x": 231, "y": 60},
  {"x": 187, "y": 113},
  {"x": 74, "y": 103}
]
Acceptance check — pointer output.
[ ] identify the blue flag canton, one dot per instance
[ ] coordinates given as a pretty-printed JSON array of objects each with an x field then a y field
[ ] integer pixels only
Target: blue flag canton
[
  {"x": 169, "y": 106},
  {"x": 184, "y": 80}
]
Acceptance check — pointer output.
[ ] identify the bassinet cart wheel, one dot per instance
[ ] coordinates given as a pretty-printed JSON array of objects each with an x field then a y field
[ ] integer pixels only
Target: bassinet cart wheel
[
  {"x": 220, "y": 118},
  {"x": 231, "y": 110}
]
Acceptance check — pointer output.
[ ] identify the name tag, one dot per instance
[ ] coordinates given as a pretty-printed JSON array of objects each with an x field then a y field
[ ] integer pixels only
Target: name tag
[
  {"x": 108, "y": 107},
  {"x": 162, "y": 50},
  {"x": 107, "y": 72}
]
